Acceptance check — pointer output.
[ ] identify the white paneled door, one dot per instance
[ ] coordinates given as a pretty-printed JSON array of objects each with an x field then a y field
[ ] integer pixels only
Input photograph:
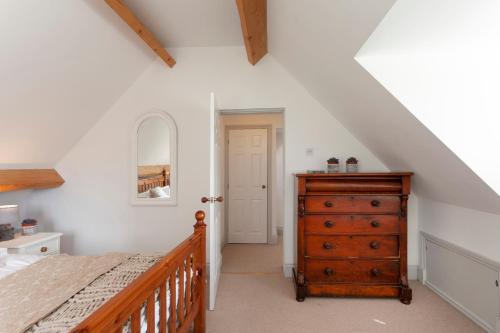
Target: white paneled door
[
  {"x": 248, "y": 188},
  {"x": 214, "y": 201}
]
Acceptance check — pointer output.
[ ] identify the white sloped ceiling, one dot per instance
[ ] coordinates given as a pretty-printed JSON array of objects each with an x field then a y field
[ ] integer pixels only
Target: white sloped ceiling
[
  {"x": 190, "y": 23},
  {"x": 63, "y": 64},
  {"x": 316, "y": 41},
  {"x": 446, "y": 73}
]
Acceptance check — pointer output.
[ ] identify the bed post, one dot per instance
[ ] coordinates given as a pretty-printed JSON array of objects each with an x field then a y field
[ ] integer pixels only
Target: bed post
[{"x": 200, "y": 227}]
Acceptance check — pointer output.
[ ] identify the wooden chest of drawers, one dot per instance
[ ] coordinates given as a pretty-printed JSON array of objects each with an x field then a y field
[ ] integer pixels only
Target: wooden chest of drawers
[{"x": 352, "y": 235}]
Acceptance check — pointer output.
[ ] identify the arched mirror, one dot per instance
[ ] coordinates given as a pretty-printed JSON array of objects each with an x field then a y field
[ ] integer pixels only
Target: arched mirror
[{"x": 154, "y": 160}]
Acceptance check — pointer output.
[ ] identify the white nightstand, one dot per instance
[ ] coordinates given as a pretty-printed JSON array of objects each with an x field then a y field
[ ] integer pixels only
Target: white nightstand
[{"x": 44, "y": 243}]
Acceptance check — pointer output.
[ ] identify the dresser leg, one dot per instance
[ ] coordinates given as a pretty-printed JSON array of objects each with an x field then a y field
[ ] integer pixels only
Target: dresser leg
[
  {"x": 300, "y": 288},
  {"x": 301, "y": 294},
  {"x": 406, "y": 293}
]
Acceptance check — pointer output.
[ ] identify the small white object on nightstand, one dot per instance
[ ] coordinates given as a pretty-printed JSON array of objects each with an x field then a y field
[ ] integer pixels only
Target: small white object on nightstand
[{"x": 44, "y": 243}]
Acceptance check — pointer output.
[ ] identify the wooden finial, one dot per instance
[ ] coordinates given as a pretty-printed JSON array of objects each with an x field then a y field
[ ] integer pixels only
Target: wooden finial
[{"x": 200, "y": 217}]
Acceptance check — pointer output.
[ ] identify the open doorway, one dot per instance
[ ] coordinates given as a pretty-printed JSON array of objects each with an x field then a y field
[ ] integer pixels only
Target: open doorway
[{"x": 252, "y": 171}]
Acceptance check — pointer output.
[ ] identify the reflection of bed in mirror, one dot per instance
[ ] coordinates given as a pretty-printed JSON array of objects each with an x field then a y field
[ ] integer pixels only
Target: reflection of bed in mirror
[
  {"x": 154, "y": 160},
  {"x": 153, "y": 181}
]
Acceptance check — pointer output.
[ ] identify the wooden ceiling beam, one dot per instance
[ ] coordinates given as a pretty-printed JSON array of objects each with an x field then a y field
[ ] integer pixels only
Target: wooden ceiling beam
[
  {"x": 253, "y": 18},
  {"x": 21, "y": 179},
  {"x": 147, "y": 36}
]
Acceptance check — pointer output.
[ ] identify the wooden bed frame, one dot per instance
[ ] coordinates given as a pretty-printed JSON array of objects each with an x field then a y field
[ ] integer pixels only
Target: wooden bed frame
[
  {"x": 187, "y": 257},
  {"x": 151, "y": 176}
]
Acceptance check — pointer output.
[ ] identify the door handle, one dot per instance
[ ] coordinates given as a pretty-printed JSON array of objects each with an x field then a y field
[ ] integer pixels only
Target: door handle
[
  {"x": 263, "y": 187},
  {"x": 212, "y": 199}
]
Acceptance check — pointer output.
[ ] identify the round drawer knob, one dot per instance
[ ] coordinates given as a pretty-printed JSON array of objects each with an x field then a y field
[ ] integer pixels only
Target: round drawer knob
[
  {"x": 328, "y": 204},
  {"x": 375, "y": 203},
  {"x": 329, "y": 272},
  {"x": 374, "y": 245},
  {"x": 375, "y": 224},
  {"x": 329, "y": 224},
  {"x": 327, "y": 246},
  {"x": 44, "y": 249},
  {"x": 375, "y": 272}
]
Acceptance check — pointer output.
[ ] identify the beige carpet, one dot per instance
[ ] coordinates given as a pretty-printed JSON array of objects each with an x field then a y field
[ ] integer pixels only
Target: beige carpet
[
  {"x": 254, "y": 297},
  {"x": 252, "y": 258}
]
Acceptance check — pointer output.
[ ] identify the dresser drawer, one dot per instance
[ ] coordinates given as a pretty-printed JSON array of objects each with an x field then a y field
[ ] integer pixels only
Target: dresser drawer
[
  {"x": 47, "y": 247},
  {"x": 353, "y": 271},
  {"x": 332, "y": 224},
  {"x": 350, "y": 185},
  {"x": 353, "y": 204},
  {"x": 356, "y": 246}
]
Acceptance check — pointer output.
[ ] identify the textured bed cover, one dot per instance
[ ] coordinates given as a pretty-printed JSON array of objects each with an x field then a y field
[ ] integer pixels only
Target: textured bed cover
[{"x": 33, "y": 292}]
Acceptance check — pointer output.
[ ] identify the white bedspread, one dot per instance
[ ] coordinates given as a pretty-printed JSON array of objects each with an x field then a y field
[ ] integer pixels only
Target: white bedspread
[{"x": 10, "y": 263}]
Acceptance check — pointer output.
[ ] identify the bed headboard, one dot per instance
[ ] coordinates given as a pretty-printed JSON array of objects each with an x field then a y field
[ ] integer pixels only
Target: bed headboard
[{"x": 151, "y": 176}]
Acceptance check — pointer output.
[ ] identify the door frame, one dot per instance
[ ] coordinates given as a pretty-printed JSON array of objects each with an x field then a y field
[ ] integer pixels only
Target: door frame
[{"x": 269, "y": 129}]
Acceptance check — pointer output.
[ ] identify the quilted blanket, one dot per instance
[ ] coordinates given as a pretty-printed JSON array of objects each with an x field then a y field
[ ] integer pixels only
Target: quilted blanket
[{"x": 35, "y": 291}]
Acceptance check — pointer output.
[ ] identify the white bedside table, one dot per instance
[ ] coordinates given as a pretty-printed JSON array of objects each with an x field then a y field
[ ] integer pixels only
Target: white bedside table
[{"x": 45, "y": 243}]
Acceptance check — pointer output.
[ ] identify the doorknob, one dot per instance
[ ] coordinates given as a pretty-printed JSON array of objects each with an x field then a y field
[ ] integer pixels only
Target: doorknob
[
  {"x": 263, "y": 186},
  {"x": 212, "y": 199}
]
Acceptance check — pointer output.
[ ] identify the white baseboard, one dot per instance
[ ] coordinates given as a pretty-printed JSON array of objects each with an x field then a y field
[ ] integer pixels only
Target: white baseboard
[
  {"x": 413, "y": 272},
  {"x": 420, "y": 274},
  {"x": 472, "y": 316},
  {"x": 273, "y": 240},
  {"x": 287, "y": 270}
]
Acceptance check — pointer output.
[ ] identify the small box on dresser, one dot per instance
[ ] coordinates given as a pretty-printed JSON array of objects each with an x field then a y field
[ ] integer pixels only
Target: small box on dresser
[
  {"x": 352, "y": 235},
  {"x": 43, "y": 243}
]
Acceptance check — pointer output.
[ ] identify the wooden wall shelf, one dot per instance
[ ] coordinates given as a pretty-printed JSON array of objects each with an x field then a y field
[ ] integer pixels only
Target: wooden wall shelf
[{"x": 22, "y": 179}]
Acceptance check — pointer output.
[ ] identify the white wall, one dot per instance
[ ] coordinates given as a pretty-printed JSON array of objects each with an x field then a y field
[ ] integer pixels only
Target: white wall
[
  {"x": 275, "y": 121},
  {"x": 92, "y": 208},
  {"x": 20, "y": 198},
  {"x": 473, "y": 230},
  {"x": 153, "y": 142}
]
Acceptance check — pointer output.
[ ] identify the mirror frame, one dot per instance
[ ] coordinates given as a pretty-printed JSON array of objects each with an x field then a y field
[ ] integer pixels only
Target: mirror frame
[{"x": 134, "y": 199}]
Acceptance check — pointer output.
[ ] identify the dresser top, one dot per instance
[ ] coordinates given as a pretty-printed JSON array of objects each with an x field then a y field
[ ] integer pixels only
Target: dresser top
[
  {"x": 356, "y": 174},
  {"x": 28, "y": 240}
]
